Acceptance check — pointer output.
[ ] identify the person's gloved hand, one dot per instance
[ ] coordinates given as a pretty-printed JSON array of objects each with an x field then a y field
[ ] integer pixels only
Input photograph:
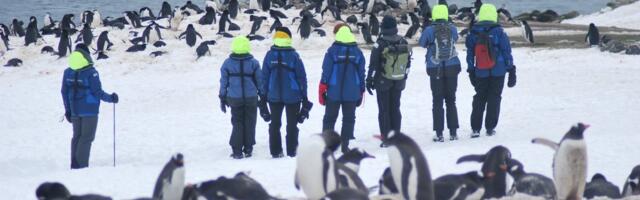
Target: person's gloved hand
[
  {"x": 370, "y": 85},
  {"x": 67, "y": 116},
  {"x": 512, "y": 77},
  {"x": 114, "y": 98},
  {"x": 223, "y": 104},
  {"x": 472, "y": 77},
  {"x": 264, "y": 109},
  {"x": 322, "y": 93},
  {"x": 304, "y": 111}
]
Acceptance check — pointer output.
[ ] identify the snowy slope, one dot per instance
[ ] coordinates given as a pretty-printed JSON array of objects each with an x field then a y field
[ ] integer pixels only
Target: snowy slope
[
  {"x": 169, "y": 104},
  {"x": 623, "y": 17}
]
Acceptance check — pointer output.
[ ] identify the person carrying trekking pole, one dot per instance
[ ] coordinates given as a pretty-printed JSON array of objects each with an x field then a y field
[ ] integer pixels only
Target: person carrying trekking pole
[
  {"x": 443, "y": 67},
  {"x": 489, "y": 59},
  {"x": 387, "y": 75},
  {"x": 81, "y": 95}
]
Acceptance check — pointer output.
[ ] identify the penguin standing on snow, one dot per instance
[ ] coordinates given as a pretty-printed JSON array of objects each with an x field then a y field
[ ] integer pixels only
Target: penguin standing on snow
[
  {"x": 16, "y": 28},
  {"x": 316, "y": 172},
  {"x": 209, "y": 17},
  {"x": 190, "y": 35},
  {"x": 170, "y": 182},
  {"x": 86, "y": 36},
  {"x": 165, "y": 11},
  {"x": 600, "y": 187},
  {"x": 257, "y": 23},
  {"x": 494, "y": 170},
  {"x": 527, "y": 33},
  {"x": 132, "y": 19},
  {"x": 97, "y": 19},
  {"x": 409, "y": 167},
  {"x": 569, "y": 162},
  {"x": 64, "y": 44},
  {"x": 233, "y": 6},
  {"x": 87, "y": 17},
  {"x": 459, "y": 186},
  {"x": 532, "y": 184},
  {"x": 365, "y": 31},
  {"x": 593, "y": 36},
  {"x": 103, "y": 44},
  {"x": 632, "y": 184},
  {"x": 32, "y": 33},
  {"x": 353, "y": 158},
  {"x": 152, "y": 33},
  {"x": 3, "y": 45}
]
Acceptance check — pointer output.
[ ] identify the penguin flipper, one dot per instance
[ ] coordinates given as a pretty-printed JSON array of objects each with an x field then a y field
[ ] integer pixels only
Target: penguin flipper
[
  {"x": 546, "y": 142},
  {"x": 471, "y": 158}
]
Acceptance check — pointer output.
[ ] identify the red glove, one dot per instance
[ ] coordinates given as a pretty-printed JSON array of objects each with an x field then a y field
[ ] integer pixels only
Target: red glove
[{"x": 322, "y": 93}]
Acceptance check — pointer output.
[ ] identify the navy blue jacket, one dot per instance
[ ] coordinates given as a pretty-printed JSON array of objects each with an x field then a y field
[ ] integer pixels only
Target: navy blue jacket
[
  {"x": 343, "y": 75},
  {"x": 504, "y": 60},
  {"x": 82, "y": 92},
  {"x": 451, "y": 66},
  {"x": 240, "y": 77},
  {"x": 284, "y": 77}
]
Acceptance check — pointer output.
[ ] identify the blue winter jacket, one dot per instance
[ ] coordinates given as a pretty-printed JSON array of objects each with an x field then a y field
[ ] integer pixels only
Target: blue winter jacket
[
  {"x": 343, "y": 75},
  {"x": 284, "y": 77},
  {"x": 504, "y": 60},
  {"x": 240, "y": 77},
  {"x": 82, "y": 92},
  {"x": 427, "y": 40}
]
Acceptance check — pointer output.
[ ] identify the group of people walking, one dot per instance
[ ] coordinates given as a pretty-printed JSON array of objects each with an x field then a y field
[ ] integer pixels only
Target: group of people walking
[{"x": 279, "y": 85}]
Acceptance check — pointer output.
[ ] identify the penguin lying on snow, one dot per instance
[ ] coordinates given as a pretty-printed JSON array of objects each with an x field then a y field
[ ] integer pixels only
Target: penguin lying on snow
[
  {"x": 203, "y": 48},
  {"x": 159, "y": 44},
  {"x": 569, "y": 162},
  {"x": 316, "y": 172},
  {"x": 240, "y": 187},
  {"x": 170, "y": 182},
  {"x": 532, "y": 184},
  {"x": 600, "y": 187},
  {"x": 632, "y": 184},
  {"x": 14, "y": 62},
  {"x": 157, "y": 53},
  {"x": 57, "y": 191},
  {"x": 494, "y": 170},
  {"x": 459, "y": 186},
  {"x": 48, "y": 50}
]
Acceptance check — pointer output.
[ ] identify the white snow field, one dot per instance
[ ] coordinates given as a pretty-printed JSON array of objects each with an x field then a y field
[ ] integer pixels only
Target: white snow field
[
  {"x": 623, "y": 17},
  {"x": 169, "y": 104}
]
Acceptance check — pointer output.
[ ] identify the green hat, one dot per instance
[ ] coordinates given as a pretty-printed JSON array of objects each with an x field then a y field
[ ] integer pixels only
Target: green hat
[
  {"x": 344, "y": 35},
  {"x": 488, "y": 12},
  {"x": 77, "y": 60},
  {"x": 240, "y": 45},
  {"x": 440, "y": 12}
]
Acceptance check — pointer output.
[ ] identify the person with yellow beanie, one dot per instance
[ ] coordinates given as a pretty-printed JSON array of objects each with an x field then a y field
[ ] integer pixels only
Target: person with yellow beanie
[
  {"x": 488, "y": 61},
  {"x": 240, "y": 88},
  {"x": 285, "y": 88},
  {"x": 342, "y": 83}
]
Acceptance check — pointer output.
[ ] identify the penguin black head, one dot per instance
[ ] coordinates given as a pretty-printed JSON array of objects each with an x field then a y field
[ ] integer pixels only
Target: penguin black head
[
  {"x": 52, "y": 190},
  {"x": 331, "y": 140},
  {"x": 32, "y": 19},
  {"x": 634, "y": 178},
  {"x": 178, "y": 160},
  {"x": 515, "y": 168},
  {"x": 190, "y": 27},
  {"x": 354, "y": 155},
  {"x": 576, "y": 132},
  {"x": 598, "y": 177}
]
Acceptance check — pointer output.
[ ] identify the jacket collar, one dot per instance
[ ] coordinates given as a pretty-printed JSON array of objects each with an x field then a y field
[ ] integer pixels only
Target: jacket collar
[
  {"x": 240, "y": 56},
  {"x": 277, "y": 48}
]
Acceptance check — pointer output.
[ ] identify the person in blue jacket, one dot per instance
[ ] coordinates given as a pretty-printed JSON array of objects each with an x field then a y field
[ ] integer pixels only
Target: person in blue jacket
[
  {"x": 285, "y": 86},
  {"x": 488, "y": 82},
  {"x": 81, "y": 95},
  {"x": 240, "y": 86},
  {"x": 342, "y": 83}
]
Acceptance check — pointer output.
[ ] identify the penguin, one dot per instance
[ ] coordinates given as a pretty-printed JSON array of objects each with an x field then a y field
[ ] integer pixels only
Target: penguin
[
  {"x": 52, "y": 190},
  {"x": 175, "y": 20},
  {"x": 103, "y": 43},
  {"x": 240, "y": 187},
  {"x": 132, "y": 19},
  {"x": 170, "y": 182},
  {"x": 348, "y": 178},
  {"x": 347, "y": 194},
  {"x": 48, "y": 20},
  {"x": 203, "y": 48},
  {"x": 159, "y": 44},
  {"x": 233, "y": 8},
  {"x": 16, "y": 28},
  {"x": 191, "y": 8},
  {"x": 412, "y": 31},
  {"x": 632, "y": 184},
  {"x": 86, "y": 36},
  {"x": 67, "y": 23},
  {"x": 5, "y": 31},
  {"x": 316, "y": 173},
  {"x": 409, "y": 167},
  {"x": 224, "y": 18},
  {"x": 276, "y": 24},
  {"x": 353, "y": 157},
  {"x": 118, "y": 23},
  {"x": 600, "y": 187},
  {"x": 97, "y": 19},
  {"x": 632, "y": 50},
  {"x": 157, "y": 53},
  {"x": 386, "y": 184},
  {"x": 277, "y": 14},
  {"x": 257, "y": 23},
  {"x": 212, "y": 3},
  {"x": 64, "y": 44},
  {"x": 335, "y": 13},
  {"x": 32, "y": 33},
  {"x": 364, "y": 30},
  {"x": 494, "y": 170},
  {"x": 305, "y": 25},
  {"x": 102, "y": 55},
  {"x": 459, "y": 186},
  {"x": 320, "y": 32},
  {"x": 86, "y": 17},
  {"x": 137, "y": 47},
  {"x": 190, "y": 35},
  {"x": 3, "y": 46},
  {"x": 47, "y": 50},
  {"x": 593, "y": 36},
  {"x": 527, "y": 33},
  {"x": 265, "y": 5},
  {"x": 152, "y": 33},
  {"x": 254, "y": 5},
  {"x": 226, "y": 35},
  {"x": 209, "y": 17},
  {"x": 165, "y": 11},
  {"x": 367, "y": 6},
  {"x": 569, "y": 162},
  {"x": 255, "y": 37},
  {"x": 14, "y": 62},
  {"x": 374, "y": 24},
  {"x": 146, "y": 14},
  {"x": 250, "y": 11},
  {"x": 353, "y": 20},
  {"x": 532, "y": 184}
]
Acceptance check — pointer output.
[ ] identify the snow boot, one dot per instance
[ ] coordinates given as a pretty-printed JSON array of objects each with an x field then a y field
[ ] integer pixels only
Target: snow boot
[
  {"x": 475, "y": 134},
  {"x": 236, "y": 156},
  {"x": 345, "y": 145},
  {"x": 438, "y": 138},
  {"x": 491, "y": 132},
  {"x": 278, "y": 155},
  {"x": 453, "y": 135},
  {"x": 248, "y": 151}
]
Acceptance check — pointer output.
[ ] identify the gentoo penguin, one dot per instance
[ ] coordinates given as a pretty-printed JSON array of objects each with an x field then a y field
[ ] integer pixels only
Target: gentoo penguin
[
  {"x": 316, "y": 172},
  {"x": 170, "y": 182},
  {"x": 347, "y": 194},
  {"x": 14, "y": 62},
  {"x": 209, "y": 17},
  {"x": 118, "y": 23},
  {"x": 64, "y": 44},
  {"x": 532, "y": 184},
  {"x": 32, "y": 33},
  {"x": 459, "y": 186},
  {"x": 257, "y": 23},
  {"x": 48, "y": 20},
  {"x": 146, "y": 14},
  {"x": 52, "y": 190},
  {"x": 569, "y": 162},
  {"x": 240, "y": 187},
  {"x": 103, "y": 44},
  {"x": 387, "y": 186},
  {"x": 632, "y": 184},
  {"x": 190, "y": 35},
  {"x": 137, "y": 47},
  {"x": 365, "y": 31},
  {"x": 47, "y": 50},
  {"x": 353, "y": 157},
  {"x": 600, "y": 187},
  {"x": 593, "y": 36},
  {"x": 97, "y": 19},
  {"x": 409, "y": 167},
  {"x": 152, "y": 33},
  {"x": 165, "y": 11},
  {"x": 203, "y": 48},
  {"x": 16, "y": 28},
  {"x": 86, "y": 35},
  {"x": 527, "y": 33},
  {"x": 494, "y": 170}
]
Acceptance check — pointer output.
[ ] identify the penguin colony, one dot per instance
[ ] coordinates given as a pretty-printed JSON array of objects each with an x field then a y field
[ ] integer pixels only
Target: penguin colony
[
  {"x": 319, "y": 175},
  {"x": 221, "y": 15}
]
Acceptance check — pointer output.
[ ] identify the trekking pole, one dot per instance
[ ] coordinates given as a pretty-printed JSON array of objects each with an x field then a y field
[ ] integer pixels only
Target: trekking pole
[{"x": 114, "y": 135}]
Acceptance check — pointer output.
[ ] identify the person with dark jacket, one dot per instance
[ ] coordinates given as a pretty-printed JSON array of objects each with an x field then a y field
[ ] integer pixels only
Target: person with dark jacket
[
  {"x": 240, "y": 86},
  {"x": 388, "y": 90},
  {"x": 443, "y": 67},
  {"x": 285, "y": 86},
  {"x": 488, "y": 80},
  {"x": 342, "y": 83},
  {"x": 81, "y": 95}
]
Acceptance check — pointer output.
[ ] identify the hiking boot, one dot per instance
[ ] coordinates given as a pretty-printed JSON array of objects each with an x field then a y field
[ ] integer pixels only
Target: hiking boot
[
  {"x": 491, "y": 132},
  {"x": 475, "y": 134},
  {"x": 453, "y": 135},
  {"x": 247, "y": 155},
  {"x": 280, "y": 155},
  {"x": 236, "y": 156},
  {"x": 453, "y": 138},
  {"x": 291, "y": 154},
  {"x": 438, "y": 138}
]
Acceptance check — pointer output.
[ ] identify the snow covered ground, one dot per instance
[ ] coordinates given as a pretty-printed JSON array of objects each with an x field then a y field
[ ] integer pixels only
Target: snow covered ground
[
  {"x": 169, "y": 104},
  {"x": 624, "y": 17}
]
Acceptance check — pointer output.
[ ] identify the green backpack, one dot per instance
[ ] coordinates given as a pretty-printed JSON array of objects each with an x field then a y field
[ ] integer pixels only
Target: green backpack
[{"x": 396, "y": 57}]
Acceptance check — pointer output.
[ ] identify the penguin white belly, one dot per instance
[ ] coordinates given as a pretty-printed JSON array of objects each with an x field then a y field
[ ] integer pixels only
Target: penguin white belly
[
  {"x": 396, "y": 162},
  {"x": 97, "y": 20},
  {"x": 477, "y": 194},
  {"x": 412, "y": 184},
  {"x": 153, "y": 37},
  {"x": 3, "y": 48},
  {"x": 174, "y": 189},
  {"x": 570, "y": 168},
  {"x": 310, "y": 168}
]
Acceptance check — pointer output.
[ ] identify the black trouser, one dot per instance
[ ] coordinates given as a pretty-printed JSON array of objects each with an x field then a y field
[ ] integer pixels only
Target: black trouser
[
  {"x": 489, "y": 95},
  {"x": 389, "y": 116},
  {"x": 84, "y": 131},
  {"x": 243, "y": 119},
  {"x": 443, "y": 89},
  {"x": 275, "y": 142},
  {"x": 348, "y": 119}
]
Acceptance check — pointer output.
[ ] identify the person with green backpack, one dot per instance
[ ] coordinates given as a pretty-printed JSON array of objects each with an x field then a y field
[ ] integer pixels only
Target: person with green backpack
[
  {"x": 388, "y": 72},
  {"x": 443, "y": 67}
]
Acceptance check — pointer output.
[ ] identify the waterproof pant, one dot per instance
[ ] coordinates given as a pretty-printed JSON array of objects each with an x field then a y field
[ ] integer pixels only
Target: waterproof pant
[
  {"x": 443, "y": 89},
  {"x": 84, "y": 131},
  {"x": 389, "y": 116},
  {"x": 275, "y": 141},
  {"x": 488, "y": 95},
  {"x": 243, "y": 119},
  {"x": 348, "y": 119}
]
